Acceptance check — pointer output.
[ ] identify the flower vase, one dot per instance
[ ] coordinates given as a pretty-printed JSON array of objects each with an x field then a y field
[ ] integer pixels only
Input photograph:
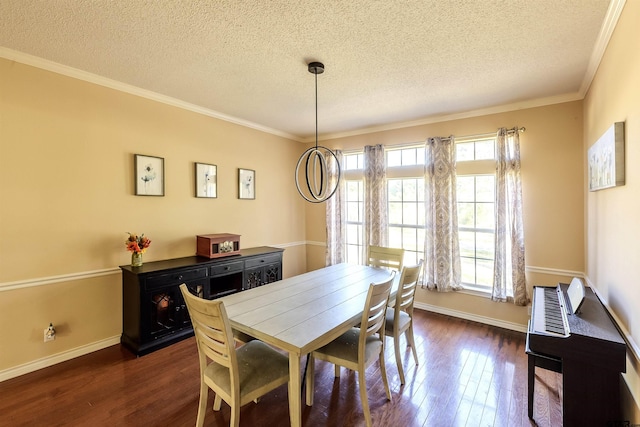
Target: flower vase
[{"x": 136, "y": 259}]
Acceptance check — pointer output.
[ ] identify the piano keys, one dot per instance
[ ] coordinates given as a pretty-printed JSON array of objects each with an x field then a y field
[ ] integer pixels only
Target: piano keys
[{"x": 586, "y": 347}]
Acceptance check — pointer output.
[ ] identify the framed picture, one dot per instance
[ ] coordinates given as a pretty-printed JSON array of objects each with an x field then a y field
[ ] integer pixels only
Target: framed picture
[
  {"x": 246, "y": 184},
  {"x": 149, "y": 175},
  {"x": 606, "y": 159},
  {"x": 206, "y": 180}
]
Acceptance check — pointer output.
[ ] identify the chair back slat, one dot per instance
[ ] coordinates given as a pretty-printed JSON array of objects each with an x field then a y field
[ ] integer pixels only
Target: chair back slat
[
  {"x": 407, "y": 287},
  {"x": 379, "y": 256},
  {"x": 373, "y": 316},
  {"x": 211, "y": 328}
]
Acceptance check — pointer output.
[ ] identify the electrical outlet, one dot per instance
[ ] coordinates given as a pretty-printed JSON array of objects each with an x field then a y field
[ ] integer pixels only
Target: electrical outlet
[{"x": 49, "y": 333}]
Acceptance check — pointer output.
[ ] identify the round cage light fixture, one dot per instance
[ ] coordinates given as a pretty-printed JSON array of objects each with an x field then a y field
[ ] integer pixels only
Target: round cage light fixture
[{"x": 318, "y": 161}]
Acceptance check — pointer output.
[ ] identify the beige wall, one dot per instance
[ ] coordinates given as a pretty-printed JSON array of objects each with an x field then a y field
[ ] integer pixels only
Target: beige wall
[
  {"x": 66, "y": 191},
  {"x": 613, "y": 215},
  {"x": 552, "y": 175}
]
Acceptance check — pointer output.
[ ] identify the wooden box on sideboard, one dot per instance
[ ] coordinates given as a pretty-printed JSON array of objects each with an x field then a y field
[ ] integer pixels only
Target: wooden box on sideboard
[{"x": 217, "y": 245}]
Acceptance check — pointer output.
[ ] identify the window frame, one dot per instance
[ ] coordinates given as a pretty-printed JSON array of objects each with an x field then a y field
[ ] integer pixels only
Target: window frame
[
  {"x": 416, "y": 171},
  {"x": 476, "y": 168}
]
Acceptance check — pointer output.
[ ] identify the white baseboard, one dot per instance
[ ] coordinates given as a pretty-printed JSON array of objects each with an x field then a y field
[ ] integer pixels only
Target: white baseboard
[
  {"x": 57, "y": 358},
  {"x": 470, "y": 316}
]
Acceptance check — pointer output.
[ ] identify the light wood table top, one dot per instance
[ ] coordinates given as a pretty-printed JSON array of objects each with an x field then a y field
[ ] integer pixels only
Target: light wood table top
[{"x": 303, "y": 313}]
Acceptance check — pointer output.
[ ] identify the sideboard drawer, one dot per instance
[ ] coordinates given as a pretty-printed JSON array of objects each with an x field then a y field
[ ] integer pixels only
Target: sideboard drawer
[
  {"x": 226, "y": 268},
  {"x": 259, "y": 261},
  {"x": 174, "y": 278}
]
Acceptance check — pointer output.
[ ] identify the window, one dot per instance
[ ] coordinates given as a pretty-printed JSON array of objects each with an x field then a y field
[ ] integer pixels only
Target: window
[
  {"x": 354, "y": 199},
  {"x": 405, "y": 198},
  {"x": 405, "y": 193},
  {"x": 476, "y": 211}
]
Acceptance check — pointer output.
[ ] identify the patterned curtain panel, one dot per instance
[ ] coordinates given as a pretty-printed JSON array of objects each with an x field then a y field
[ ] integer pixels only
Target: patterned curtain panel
[
  {"x": 336, "y": 217},
  {"x": 509, "y": 282},
  {"x": 441, "y": 247},
  {"x": 376, "y": 220}
]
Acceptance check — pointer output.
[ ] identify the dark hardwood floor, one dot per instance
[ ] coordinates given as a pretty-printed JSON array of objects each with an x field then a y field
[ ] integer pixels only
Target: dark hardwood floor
[{"x": 469, "y": 374}]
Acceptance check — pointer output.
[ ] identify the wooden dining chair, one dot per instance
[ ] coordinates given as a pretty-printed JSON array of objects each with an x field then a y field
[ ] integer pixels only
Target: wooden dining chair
[
  {"x": 380, "y": 256},
  {"x": 399, "y": 318},
  {"x": 236, "y": 376},
  {"x": 358, "y": 348}
]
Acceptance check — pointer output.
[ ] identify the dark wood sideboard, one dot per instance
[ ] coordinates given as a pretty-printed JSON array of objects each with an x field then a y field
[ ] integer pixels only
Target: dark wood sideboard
[{"x": 154, "y": 314}]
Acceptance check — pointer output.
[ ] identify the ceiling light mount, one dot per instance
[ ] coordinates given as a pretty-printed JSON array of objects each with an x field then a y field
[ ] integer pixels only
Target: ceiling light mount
[
  {"x": 316, "y": 67},
  {"x": 322, "y": 168}
]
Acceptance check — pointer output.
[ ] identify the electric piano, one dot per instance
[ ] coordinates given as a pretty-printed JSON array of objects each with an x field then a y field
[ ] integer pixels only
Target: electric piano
[{"x": 584, "y": 345}]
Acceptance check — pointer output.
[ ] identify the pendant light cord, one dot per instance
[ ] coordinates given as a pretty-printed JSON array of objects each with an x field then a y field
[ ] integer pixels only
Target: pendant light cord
[{"x": 316, "y": 74}]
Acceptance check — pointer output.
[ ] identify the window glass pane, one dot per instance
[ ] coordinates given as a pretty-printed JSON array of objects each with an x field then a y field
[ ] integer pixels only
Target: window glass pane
[
  {"x": 484, "y": 273},
  {"x": 468, "y": 270},
  {"x": 484, "y": 215},
  {"x": 352, "y": 211},
  {"x": 394, "y": 187},
  {"x": 421, "y": 213},
  {"x": 353, "y": 233},
  {"x": 394, "y": 158},
  {"x": 409, "y": 214},
  {"x": 409, "y": 190},
  {"x": 350, "y": 162},
  {"x": 420, "y": 156},
  {"x": 466, "y": 217},
  {"x": 485, "y": 188},
  {"x": 395, "y": 212},
  {"x": 409, "y": 239},
  {"x": 353, "y": 190},
  {"x": 353, "y": 254},
  {"x": 420, "y": 189},
  {"x": 485, "y": 149},
  {"x": 408, "y": 156},
  {"x": 465, "y": 188},
  {"x": 467, "y": 243},
  {"x": 395, "y": 237},
  {"x": 410, "y": 258},
  {"x": 485, "y": 247},
  {"x": 464, "y": 151},
  {"x": 420, "y": 234}
]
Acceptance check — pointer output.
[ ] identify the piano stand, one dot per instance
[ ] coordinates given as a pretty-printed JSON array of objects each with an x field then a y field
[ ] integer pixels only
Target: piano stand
[
  {"x": 541, "y": 361},
  {"x": 590, "y": 359}
]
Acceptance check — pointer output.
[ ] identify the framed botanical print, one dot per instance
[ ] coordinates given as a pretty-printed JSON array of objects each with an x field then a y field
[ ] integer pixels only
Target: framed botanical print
[
  {"x": 149, "y": 175},
  {"x": 246, "y": 184},
  {"x": 206, "y": 180}
]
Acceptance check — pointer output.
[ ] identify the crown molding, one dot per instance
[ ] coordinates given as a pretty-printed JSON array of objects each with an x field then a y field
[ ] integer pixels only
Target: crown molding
[
  {"x": 606, "y": 31},
  {"x": 539, "y": 102},
  {"x": 75, "y": 73},
  {"x": 608, "y": 26}
]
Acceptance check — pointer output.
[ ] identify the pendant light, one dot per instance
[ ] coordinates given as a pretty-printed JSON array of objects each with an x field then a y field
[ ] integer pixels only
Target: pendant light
[{"x": 317, "y": 161}]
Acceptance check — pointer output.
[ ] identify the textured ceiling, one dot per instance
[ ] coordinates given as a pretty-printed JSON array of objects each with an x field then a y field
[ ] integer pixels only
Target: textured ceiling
[{"x": 387, "y": 62}]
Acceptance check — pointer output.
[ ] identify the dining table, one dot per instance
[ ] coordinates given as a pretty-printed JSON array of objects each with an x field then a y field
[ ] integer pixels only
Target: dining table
[{"x": 302, "y": 313}]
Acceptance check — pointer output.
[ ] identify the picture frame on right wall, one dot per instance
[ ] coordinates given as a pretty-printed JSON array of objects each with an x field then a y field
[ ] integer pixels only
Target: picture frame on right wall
[
  {"x": 606, "y": 159},
  {"x": 246, "y": 184}
]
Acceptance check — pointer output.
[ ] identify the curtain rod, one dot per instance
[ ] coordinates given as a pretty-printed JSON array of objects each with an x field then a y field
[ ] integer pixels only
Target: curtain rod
[
  {"x": 479, "y": 135},
  {"x": 487, "y": 135}
]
